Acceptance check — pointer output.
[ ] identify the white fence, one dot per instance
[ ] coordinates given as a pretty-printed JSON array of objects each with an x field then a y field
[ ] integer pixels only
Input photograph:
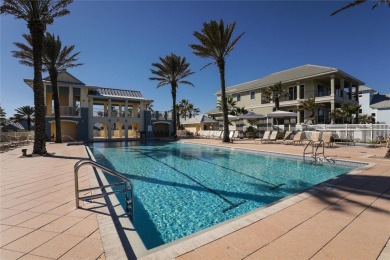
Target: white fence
[
  {"x": 358, "y": 132},
  {"x": 18, "y": 134}
]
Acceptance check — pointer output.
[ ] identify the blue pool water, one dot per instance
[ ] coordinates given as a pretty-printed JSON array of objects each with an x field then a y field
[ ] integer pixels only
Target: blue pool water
[{"x": 181, "y": 188}]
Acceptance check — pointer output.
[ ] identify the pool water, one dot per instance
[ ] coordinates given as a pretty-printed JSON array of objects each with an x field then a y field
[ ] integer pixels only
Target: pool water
[{"x": 181, "y": 188}]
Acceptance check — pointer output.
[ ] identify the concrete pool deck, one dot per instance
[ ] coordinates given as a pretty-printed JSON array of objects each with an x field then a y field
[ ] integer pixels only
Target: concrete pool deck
[{"x": 347, "y": 219}]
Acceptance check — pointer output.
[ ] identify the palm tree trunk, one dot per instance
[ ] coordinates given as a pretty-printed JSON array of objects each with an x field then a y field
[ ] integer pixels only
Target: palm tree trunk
[
  {"x": 173, "y": 91},
  {"x": 28, "y": 123},
  {"x": 57, "y": 116},
  {"x": 277, "y": 103},
  {"x": 221, "y": 66},
  {"x": 37, "y": 29},
  {"x": 387, "y": 155}
]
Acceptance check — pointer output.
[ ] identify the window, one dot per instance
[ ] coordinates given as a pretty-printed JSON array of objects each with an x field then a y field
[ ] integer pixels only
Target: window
[
  {"x": 292, "y": 93},
  {"x": 360, "y": 111},
  {"x": 321, "y": 118},
  {"x": 320, "y": 91},
  {"x": 302, "y": 91},
  {"x": 253, "y": 95},
  {"x": 238, "y": 97}
]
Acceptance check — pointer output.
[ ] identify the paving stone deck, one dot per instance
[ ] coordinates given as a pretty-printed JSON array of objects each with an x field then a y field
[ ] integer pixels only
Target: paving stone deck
[{"x": 344, "y": 219}]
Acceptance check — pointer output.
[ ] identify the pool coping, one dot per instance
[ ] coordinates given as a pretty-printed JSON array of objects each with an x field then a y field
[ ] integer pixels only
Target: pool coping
[{"x": 114, "y": 246}]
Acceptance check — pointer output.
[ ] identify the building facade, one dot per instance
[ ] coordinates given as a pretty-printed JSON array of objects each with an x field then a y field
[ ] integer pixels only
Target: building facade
[
  {"x": 89, "y": 112},
  {"x": 374, "y": 104},
  {"x": 330, "y": 87}
]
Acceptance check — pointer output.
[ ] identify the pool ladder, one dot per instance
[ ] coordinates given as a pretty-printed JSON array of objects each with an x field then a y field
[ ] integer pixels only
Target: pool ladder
[
  {"x": 314, "y": 150},
  {"x": 127, "y": 186}
]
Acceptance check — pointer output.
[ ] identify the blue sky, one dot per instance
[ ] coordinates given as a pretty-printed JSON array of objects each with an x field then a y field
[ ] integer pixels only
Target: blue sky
[{"x": 119, "y": 40}]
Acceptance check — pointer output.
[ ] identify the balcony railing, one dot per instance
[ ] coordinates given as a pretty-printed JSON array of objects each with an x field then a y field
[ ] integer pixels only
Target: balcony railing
[
  {"x": 161, "y": 115},
  {"x": 64, "y": 111},
  {"x": 98, "y": 112}
]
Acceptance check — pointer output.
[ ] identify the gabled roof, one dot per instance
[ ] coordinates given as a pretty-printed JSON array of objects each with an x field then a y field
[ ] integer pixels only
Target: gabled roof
[
  {"x": 214, "y": 111},
  {"x": 290, "y": 75},
  {"x": 379, "y": 101},
  {"x": 198, "y": 119},
  {"x": 65, "y": 77},
  {"x": 120, "y": 93}
]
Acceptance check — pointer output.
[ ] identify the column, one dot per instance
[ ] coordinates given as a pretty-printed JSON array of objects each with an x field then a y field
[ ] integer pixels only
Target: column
[
  {"x": 357, "y": 93},
  {"x": 298, "y": 91},
  {"x": 332, "y": 108},
  {"x": 109, "y": 108},
  {"x": 350, "y": 91},
  {"x": 299, "y": 117},
  {"x": 135, "y": 110},
  {"x": 105, "y": 112},
  {"x": 126, "y": 109},
  {"x": 332, "y": 85},
  {"x": 341, "y": 87},
  {"x": 70, "y": 97},
  {"x": 126, "y": 130}
]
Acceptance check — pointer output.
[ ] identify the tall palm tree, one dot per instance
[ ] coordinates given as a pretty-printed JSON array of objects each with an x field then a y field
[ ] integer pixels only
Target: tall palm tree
[
  {"x": 274, "y": 93},
  {"x": 216, "y": 43},
  {"x": 172, "y": 70},
  {"x": 25, "y": 112},
  {"x": 38, "y": 14},
  {"x": 358, "y": 2},
  {"x": 55, "y": 60},
  {"x": 309, "y": 105}
]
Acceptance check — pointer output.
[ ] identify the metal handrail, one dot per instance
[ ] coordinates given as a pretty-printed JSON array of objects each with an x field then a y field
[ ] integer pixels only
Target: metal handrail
[
  {"x": 62, "y": 138},
  {"x": 314, "y": 152},
  {"x": 128, "y": 186}
]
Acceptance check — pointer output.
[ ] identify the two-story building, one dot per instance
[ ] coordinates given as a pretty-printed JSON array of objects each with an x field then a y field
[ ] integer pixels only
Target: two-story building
[
  {"x": 374, "y": 104},
  {"x": 89, "y": 112},
  {"x": 331, "y": 87}
]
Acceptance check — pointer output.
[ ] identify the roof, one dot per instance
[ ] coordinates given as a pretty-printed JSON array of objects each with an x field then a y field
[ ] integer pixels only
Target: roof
[
  {"x": 289, "y": 75},
  {"x": 121, "y": 93},
  {"x": 198, "y": 119},
  {"x": 65, "y": 77},
  {"x": 13, "y": 126},
  {"x": 365, "y": 88},
  {"x": 214, "y": 111},
  {"x": 379, "y": 101}
]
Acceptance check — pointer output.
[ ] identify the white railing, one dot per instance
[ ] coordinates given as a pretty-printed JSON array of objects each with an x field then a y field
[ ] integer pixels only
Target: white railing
[
  {"x": 64, "y": 111},
  {"x": 358, "y": 132}
]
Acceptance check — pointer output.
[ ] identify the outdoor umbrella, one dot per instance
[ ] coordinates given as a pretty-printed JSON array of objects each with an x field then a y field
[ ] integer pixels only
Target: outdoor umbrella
[
  {"x": 252, "y": 116},
  {"x": 281, "y": 114}
]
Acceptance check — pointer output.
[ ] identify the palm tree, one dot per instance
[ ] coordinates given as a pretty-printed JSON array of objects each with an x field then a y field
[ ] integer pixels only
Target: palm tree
[
  {"x": 38, "y": 14},
  {"x": 274, "y": 93},
  {"x": 187, "y": 109},
  {"x": 171, "y": 71},
  {"x": 2, "y": 116},
  {"x": 216, "y": 43},
  {"x": 25, "y": 112},
  {"x": 55, "y": 60},
  {"x": 349, "y": 110},
  {"x": 366, "y": 119},
  {"x": 358, "y": 2},
  {"x": 231, "y": 105},
  {"x": 309, "y": 105}
]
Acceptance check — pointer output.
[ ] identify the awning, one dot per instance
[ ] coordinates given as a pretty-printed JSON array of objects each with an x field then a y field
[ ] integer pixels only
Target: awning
[
  {"x": 252, "y": 116},
  {"x": 281, "y": 114}
]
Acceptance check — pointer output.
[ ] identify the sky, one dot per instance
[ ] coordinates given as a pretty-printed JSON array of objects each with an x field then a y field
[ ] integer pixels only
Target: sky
[{"x": 119, "y": 40}]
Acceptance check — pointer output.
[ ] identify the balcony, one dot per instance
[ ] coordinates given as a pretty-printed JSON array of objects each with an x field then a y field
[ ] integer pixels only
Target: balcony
[
  {"x": 64, "y": 111},
  {"x": 161, "y": 115},
  {"x": 98, "y": 112}
]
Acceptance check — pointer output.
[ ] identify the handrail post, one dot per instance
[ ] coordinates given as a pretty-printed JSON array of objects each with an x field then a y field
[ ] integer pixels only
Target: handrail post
[{"x": 128, "y": 185}]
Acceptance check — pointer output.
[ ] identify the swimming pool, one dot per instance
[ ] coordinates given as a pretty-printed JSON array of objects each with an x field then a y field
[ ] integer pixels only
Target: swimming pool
[{"x": 182, "y": 188}]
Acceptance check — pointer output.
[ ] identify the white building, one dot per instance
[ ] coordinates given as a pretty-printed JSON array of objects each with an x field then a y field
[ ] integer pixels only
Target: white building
[{"x": 375, "y": 104}]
